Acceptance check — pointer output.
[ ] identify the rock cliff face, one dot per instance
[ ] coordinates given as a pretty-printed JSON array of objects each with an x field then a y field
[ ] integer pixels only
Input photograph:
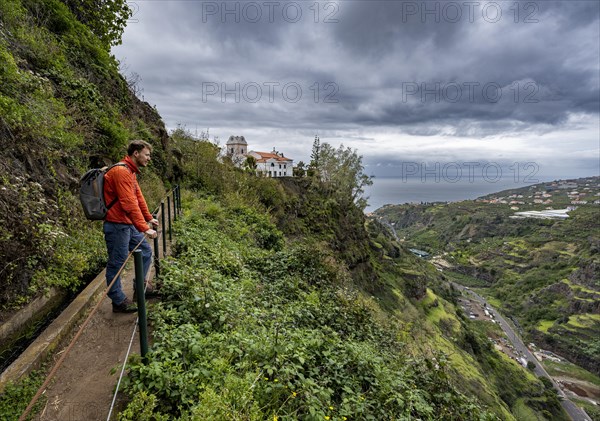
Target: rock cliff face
[
  {"x": 587, "y": 275},
  {"x": 413, "y": 217}
]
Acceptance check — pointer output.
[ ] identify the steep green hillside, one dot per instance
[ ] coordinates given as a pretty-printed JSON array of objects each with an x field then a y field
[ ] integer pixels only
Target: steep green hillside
[
  {"x": 64, "y": 108},
  {"x": 271, "y": 311},
  {"x": 544, "y": 273},
  {"x": 255, "y": 329}
]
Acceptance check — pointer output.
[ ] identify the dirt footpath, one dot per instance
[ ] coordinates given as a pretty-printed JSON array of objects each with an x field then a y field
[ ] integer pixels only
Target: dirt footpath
[{"x": 83, "y": 387}]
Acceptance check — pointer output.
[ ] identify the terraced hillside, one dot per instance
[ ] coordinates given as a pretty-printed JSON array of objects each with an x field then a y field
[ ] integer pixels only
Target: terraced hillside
[{"x": 542, "y": 272}]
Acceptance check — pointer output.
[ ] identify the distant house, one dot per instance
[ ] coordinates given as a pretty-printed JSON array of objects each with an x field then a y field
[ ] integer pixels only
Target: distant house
[{"x": 271, "y": 164}]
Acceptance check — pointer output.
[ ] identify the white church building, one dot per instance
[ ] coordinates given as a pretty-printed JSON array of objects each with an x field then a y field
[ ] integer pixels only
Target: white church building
[{"x": 271, "y": 164}]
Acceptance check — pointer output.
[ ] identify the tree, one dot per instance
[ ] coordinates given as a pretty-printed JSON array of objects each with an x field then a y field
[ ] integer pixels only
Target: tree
[
  {"x": 341, "y": 173},
  {"x": 299, "y": 170},
  {"x": 198, "y": 160},
  {"x": 250, "y": 164},
  {"x": 105, "y": 18},
  {"x": 313, "y": 167}
]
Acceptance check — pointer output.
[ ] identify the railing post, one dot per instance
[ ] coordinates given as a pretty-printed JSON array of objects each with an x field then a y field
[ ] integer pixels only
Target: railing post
[
  {"x": 141, "y": 301},
  {"x": 164, "y": 227},
  {"x": 156, "y": 257},
  {"x": 175, "y": 204},
  {"x": 179, "y": 198},
  {"x": 156, "y": 253},
  {"x": 169, "y": 215}
]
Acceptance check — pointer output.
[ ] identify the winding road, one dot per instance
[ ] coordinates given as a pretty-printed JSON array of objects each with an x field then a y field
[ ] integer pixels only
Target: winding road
[{"x": 576, "y": 413}]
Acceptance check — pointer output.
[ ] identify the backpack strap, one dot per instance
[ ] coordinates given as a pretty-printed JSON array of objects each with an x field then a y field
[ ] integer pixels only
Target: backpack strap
[{"x": 121, "y": 164}]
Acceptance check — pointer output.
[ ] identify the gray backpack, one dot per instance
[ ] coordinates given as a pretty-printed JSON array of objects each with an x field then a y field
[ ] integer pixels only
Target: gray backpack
[{"x": 91, "y": 193}]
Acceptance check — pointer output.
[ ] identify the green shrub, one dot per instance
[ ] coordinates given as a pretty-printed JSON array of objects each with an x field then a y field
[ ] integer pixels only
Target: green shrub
[{"x": 16, "y": 396}]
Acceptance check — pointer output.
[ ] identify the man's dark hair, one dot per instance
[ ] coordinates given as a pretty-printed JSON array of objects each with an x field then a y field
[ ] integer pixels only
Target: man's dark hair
[{"x": 138, "y": 145}]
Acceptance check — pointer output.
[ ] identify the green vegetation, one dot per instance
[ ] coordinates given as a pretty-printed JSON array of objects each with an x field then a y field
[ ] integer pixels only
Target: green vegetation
[
  {"x": 523, "y": 412},
  {"x": 567, "y": 369},
  {"x": 250, "y": 332},
  {"x": 254, "y": 331},
  {"x": 544, "y": 325},
  {"x": 543, "y": 272},
  {"x": 15, "y": 398},
  {"x": 106, "y": 20}
]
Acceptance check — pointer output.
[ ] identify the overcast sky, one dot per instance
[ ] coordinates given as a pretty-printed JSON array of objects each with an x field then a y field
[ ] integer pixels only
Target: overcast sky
[{"x": 401, "y": 81}]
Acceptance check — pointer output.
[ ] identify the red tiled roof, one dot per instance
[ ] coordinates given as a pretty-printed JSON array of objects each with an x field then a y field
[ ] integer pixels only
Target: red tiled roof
[{"x": 265, "y": 156}]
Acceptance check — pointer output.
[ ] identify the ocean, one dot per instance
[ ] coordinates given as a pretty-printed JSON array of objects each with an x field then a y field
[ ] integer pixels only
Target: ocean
[{"x": 399, "y": 190}]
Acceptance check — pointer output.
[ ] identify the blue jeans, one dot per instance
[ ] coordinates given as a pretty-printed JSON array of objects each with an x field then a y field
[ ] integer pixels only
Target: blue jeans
[{"x": 120, "y": 240}]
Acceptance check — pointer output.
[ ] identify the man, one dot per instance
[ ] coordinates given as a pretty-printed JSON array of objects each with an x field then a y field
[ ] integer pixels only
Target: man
[{"x": 127, "y": 220}]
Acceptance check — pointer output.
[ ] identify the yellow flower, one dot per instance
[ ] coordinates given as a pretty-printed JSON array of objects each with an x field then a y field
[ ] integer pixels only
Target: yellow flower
[
  {"x": 331, "y": 407},
  {"x": 275, "y": 418},
  {"x": 294, "y": 394},
  {"x": 276, "y": 380},
  {"x": 326, "y": 417}
]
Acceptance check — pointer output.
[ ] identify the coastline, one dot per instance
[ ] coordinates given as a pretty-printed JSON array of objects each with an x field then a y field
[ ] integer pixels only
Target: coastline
[{"x": 400, "y": 190}]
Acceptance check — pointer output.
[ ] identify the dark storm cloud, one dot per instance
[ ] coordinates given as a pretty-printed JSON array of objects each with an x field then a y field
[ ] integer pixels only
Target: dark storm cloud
[
  {"x": 482, "y": 67},
  {"x": 369, "y": 28},
  {"x": 531, "y": 64}
]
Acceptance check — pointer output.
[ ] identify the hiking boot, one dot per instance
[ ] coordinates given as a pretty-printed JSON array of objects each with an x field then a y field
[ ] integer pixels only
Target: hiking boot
[{"x": 127, "y": 306}]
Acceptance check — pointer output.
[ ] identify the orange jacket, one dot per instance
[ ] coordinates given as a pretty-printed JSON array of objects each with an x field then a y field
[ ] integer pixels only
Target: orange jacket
[{"x": 130, "y": 208}]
